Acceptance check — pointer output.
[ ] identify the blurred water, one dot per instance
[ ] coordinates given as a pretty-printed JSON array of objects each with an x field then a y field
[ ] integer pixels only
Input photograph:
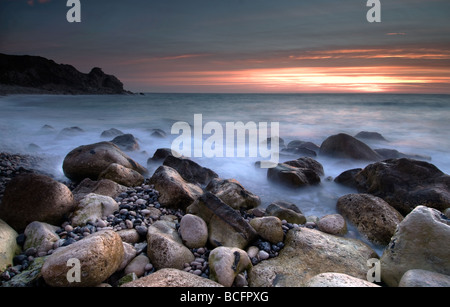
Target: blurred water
[{"x": 416, "y": 124}]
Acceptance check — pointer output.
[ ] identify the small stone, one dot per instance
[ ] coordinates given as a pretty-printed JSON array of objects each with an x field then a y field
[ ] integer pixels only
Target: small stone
[
  {"x": 263, "y": 255},
  {"x": 101, "y": 223},
  {"x": 68, "y": 228},
  {"x": 129, "y": 224},
  {"x": 197, "y": 272}
]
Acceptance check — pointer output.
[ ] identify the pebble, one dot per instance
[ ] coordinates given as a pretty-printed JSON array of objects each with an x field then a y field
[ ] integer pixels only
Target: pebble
[{"x": 263, "y": 255}]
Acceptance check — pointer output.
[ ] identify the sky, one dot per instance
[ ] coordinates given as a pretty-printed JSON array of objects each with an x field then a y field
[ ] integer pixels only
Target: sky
[{"x": 242, "y": 46}]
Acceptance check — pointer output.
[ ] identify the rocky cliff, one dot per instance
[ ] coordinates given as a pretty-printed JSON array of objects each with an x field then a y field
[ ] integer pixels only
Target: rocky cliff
[{"x": 38, "y": 75}]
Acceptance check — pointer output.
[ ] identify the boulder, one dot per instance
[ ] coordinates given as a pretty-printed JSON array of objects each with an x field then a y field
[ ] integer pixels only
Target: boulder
[
  {"x": 297, "y": 173},
  {"x": 347, "y": 178},
  {"x": 193, "y": 231},
  {"x": 90, "y": 161},
  {"x": 373, "y": 217},
  {"x": 347, "y": 147},
  {"x": 231, "y": 192},
  {"x": 172, "y": 278},
  {"x": 165, "y": 247},
  {"x": 174, "y": 191},
  {"x": 111, "y": 133},
  {"x": 126, "y": 142},
  {"x": 423, "y": 278},
  {"x": 303, "y": 144},
  {"x": 395, "y": 154},
  {"x": 226, "y": 263},
  {"x": 40, "y": 236},
  {"x": 286, "y": 211},
  {"x": 34, "y": 197},
  {"x": 99, "y": 255},
  {"x": 158, "y": 133},
  {"x": 160, "y": 155},
  {"x": 338, "y": 280},
  {"x": 269, "y": 228},
  {"x": 92, "y": 208},
  {"x": 310, "y": 252},
  {"x": 129, "y": 235},
  {"x": 129, "y": 253},
  {"x": 103, "y": 187},
  {"x": 70, "y": 132},
  {"x": 226, "y": 227},
  {"x": 8, "y": 245},
  {"x": 371, "y": 136},
  {"x": 122, "y": 175},
  {"x": 190, "y": 171},
  {"x": 420, "y": 242},
  {"x": 405, "y": 184},
  {"x": 333, "y": 224}
]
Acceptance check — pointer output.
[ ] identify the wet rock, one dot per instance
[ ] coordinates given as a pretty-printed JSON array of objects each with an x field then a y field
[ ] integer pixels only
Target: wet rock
[
  {"x": 418, "y": 243},
  {"x": 193, "y": 231},
  {"x": 297, "y": 173},
  {"x": 373, "y": 217},
  {"x": 269, "y": 228},
  {"x": 34, "y": 197},
  {"x": 226, "y": 227},
  {"x": 111, "y": 133},
  {"x": 174, "y": 191},
  {"x": 231, "y": 192},
  {"x": 8, "y": 245},
  {"x": 347, "y": 147},
  {"x": 92, "y": 208},
  {"x": 137, "y": 265},
  {"x": 190, "y": 171},
  {"x": 333, "y": 224},
  {"x": 160, "y": 155},
  {"x": 372, "y": 136},
  {"x": 103, "y": 187},
  {"x": 40, "y": 236},
  {"x": 126, "y": 142},
  {"x": 286, "y": 211},
  {"x": 122, "y": 175},
  {"x": 90, "y": 161}
]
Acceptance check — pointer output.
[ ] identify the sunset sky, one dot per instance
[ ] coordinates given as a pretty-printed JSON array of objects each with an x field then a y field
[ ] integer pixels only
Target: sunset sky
[{"x": 241, "y": 46}]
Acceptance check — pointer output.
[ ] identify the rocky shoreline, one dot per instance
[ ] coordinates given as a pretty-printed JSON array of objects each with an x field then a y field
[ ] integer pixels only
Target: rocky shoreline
[{"x": 183, "y": 222}]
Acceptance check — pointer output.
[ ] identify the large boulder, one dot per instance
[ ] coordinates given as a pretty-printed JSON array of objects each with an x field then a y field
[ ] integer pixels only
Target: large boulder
[
  {"x": 405, "y": 184},
  {"x": 174, "y": 191},
  {"x": 172, "y": 278},
  {"x": 122, "y": 175},
  {"x": 373, "y": 217},
  {"x": 297, "y": 173},
  {"x": 420, "y": 242},
  {"x": 165, "y": 247},
  {"x": 371, "y": 136},
  {"x": 347, "y": 147},
  {"x": 8, "y": 245},
  {"x": 34, "y": 197},
  {"x": 99, "y": 256},
  {"x": 90, "y": 161},
  {"x": 231, "y": 192},
  {"x": 104, "y": 187},
  {"x": 225, "y": 263},
  {"x": 309, "y": 252},
  {"x": 190, "y": 171},
  {"x": 423, "y": 278},
  {"x": 226, "y": 227},
  {"x": 93, "y": 207}
]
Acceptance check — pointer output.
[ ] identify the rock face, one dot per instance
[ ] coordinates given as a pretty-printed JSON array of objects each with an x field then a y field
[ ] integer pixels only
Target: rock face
[
  {"x": 174, "y": 191},
  {"x": 45, "y": 76},
  {"x": 190, "y": 171},
  {"x": 286, "y": 211},
  {"x": 172, "y": 278},
  {"x": 122, "y": 175},
  {"x": 309, "y": 252},
  {"x": 92, "y": 208},
  {"x": 231, "y": 192},
  {"x": 336, "y": 280},
  {"x": 297, "y": 173},
  {"x": 405, "y": 184},
  {"x": 34, "y": 197},
  {"x": 100, "y": 255},
  {"x": 165, "y": 247},
  {"x": 347, "y": 147},
  {"x": 372, "y": 216},
  {"x": 226, "y": 263},
  {"x": 420, "y": 242},
  {"x": 226, "y": 227},
  {"x": 423, "y": 278},
  {"x": 90, "y": 161},
  {"x": 8, "y": 245}
]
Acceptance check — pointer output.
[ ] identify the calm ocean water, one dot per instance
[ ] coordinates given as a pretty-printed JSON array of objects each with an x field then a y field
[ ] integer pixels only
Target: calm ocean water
[{"x": 417, "y": 124}]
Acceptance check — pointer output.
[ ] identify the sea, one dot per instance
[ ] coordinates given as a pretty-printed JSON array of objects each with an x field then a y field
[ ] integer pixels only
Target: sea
[{"x": 411, "y": 124}]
